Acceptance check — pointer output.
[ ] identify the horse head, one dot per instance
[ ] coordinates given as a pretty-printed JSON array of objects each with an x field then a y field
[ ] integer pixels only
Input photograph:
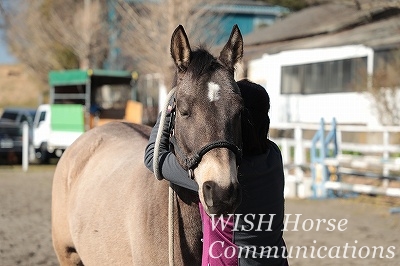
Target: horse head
[{"x": 207, "y": 122}]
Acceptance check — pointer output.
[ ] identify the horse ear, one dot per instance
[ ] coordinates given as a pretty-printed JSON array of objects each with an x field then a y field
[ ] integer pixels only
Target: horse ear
[
  {"x": 180, "y": 48},
  {"x": 233, "y": 49}
]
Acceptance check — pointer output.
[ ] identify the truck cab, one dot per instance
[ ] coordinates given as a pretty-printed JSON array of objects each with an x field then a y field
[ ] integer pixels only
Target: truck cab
[{"x": 55, "y": 127}]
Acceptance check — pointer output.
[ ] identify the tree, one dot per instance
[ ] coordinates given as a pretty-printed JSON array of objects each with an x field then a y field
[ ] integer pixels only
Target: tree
[
  {"x": 62, "y": 34},
  {"x": 384, "y": 89},
  {"x": 56, "y": 34},
  {"x": 146, "y": 28}
]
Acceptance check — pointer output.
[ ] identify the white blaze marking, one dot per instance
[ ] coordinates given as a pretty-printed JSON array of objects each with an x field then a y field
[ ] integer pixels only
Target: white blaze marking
[{"x": 213, "y": 91}]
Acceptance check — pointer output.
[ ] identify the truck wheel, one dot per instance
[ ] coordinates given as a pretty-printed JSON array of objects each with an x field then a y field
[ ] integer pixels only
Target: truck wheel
[{"x": 44, "y": 154}]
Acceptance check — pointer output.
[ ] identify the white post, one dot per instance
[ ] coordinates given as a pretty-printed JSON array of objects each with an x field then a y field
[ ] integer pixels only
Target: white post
[
  {"x": 299, "y": 157},
  {"x": 285, "y": 155},
  {"x": 385, "y": 170},
  {"x": 386, "y": 144},
  {"x": 339, "y": 140},
  {"x": 25, "y": 146},
  {"x": 162, "y": 94}
]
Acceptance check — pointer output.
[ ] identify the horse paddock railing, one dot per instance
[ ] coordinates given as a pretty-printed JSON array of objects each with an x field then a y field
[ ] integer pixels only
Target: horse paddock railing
[{"x": 327, "y": 160}]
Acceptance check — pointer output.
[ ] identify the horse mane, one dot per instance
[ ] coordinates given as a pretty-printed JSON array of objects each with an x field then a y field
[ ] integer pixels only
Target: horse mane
[{"x": 201, "y": 63}]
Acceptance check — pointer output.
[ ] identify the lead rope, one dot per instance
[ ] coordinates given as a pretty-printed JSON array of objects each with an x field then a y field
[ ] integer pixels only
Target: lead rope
[
  {"x": 171, "y": 202},
  {"x": 171, "y": 192}
]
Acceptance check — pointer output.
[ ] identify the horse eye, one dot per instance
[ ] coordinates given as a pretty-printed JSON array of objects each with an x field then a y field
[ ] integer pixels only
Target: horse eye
[
  {"x": 184, "y": 113},
  {"x": 183, "y": 108}
]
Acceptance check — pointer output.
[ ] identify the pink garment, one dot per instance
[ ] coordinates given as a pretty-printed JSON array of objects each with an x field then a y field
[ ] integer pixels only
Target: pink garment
[{"x": 218, "y": 246}]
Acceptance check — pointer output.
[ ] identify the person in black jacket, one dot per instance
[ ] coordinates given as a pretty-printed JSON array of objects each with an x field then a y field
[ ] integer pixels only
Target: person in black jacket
[{"x": 253, "y": 235}]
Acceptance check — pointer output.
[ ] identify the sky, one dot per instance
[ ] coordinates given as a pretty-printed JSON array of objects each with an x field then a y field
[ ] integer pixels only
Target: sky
[{"x": 5, "y": 56}]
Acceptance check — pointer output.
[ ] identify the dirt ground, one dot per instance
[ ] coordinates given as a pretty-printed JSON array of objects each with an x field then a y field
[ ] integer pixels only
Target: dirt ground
[
  {"x": 25, "y": 200},
  {"x": 361, "y": 229}
]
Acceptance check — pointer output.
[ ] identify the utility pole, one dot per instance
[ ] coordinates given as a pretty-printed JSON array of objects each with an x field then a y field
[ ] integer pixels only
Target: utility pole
[
  {"x": 86, "y": 24},
  {"x": 113, "y": 51}
]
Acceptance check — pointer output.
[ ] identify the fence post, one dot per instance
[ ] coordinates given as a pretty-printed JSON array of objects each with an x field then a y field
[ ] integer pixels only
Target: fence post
[
  {"x": 285, "y": 154},
  {"x": 317, "y": 163},
  {"x": 299, "y": 157},
  {"x": 320, "y": 171},
  {"x": 331, "y": 137},
  {"x": 338, "y": 140},
  {"x": 25, "y": 146},
  {"x": 386, "y": 156},
  {"x": 331, "y": 170}
]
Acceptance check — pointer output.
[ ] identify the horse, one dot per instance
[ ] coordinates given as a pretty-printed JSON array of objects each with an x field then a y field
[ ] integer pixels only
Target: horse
[{"x": 109, "y": 209}]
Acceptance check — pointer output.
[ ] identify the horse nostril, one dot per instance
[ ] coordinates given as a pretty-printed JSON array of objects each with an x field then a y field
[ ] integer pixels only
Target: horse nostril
[{"x": 208, "y": 188}]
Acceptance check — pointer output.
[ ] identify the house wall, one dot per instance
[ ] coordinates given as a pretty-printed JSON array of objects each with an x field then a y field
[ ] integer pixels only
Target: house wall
[
  {"x": 247, "y": 23},
  {"x": 347, "y": 107},
  {"x": 247, "y": 16}
]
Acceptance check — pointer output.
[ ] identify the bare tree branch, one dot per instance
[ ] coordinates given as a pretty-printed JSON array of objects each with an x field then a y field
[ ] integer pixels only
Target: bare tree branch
[
  {"x": 383, "y": 90},
  {"x": 48, "y": 34},
  {"x": 147, "y": 28}
]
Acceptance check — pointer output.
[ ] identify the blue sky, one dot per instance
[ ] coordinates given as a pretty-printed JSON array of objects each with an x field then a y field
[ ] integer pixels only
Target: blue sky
[{"x": 5, "y": 56}]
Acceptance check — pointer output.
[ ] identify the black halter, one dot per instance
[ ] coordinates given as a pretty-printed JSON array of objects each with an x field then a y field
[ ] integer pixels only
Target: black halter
[{"x": 191, "y": 162}]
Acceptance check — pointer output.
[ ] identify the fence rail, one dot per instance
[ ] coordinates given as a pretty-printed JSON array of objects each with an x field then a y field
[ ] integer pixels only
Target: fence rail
[{"x": 312, "y": 159}]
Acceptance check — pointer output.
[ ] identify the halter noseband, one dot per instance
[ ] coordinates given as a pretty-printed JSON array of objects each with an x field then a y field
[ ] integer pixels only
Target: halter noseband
[{"x": 190, "y": 163}]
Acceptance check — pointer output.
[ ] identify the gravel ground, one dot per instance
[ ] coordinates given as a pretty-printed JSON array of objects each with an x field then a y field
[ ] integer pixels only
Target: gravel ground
[{"x": 359, "y": 228}]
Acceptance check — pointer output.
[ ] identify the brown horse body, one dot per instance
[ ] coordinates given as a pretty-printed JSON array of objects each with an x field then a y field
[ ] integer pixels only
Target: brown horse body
[
  {"x": 109, "y": 209},
  {"x": 110, "y": 214}
]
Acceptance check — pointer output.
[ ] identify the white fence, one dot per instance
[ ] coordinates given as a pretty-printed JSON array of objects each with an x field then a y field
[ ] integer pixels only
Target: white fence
[{"x": 374, "y": 151}]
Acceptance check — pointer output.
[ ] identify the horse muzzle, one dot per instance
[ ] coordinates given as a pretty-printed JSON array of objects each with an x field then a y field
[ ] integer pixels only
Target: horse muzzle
[
  {"x": 216, "y": 175},
  {"x": 221, "y": 200}
]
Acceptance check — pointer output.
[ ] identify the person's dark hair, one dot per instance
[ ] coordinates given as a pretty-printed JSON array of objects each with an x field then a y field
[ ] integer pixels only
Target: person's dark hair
[{"x": 255, "y": 119}]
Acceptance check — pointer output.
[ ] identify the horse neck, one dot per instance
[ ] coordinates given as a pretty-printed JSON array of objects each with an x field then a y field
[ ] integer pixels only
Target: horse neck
[{"x": 188, "y": 226}]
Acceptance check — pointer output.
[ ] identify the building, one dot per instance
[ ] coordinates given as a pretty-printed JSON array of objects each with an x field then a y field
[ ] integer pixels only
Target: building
[
  {"x": 315, "y": 63},
  {"x": 249, "y": 16}
]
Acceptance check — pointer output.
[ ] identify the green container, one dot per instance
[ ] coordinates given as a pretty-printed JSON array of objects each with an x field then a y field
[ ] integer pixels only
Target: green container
[{"x": 67, "y": 117}]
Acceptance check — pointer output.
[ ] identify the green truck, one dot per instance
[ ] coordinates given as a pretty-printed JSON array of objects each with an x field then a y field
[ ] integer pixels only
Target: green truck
[
  {"x": 78, "y": 101},
  {"x": 104, "y": 94}
]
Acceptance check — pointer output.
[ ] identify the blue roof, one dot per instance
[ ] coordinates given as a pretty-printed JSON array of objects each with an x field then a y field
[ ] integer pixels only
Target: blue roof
[{"x": 250, "y": 9}]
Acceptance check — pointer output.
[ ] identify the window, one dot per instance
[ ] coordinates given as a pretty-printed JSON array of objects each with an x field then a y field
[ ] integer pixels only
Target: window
[
  {"x": 112, "y": 96},
  {"x": 42, "y": 117},
  {"x": 9, "y": 115},
  {"x": 324, "y": 77}
]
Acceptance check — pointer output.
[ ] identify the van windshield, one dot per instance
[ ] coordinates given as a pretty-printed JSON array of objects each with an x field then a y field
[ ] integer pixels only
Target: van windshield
[{"x": 9, "y": 115}]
